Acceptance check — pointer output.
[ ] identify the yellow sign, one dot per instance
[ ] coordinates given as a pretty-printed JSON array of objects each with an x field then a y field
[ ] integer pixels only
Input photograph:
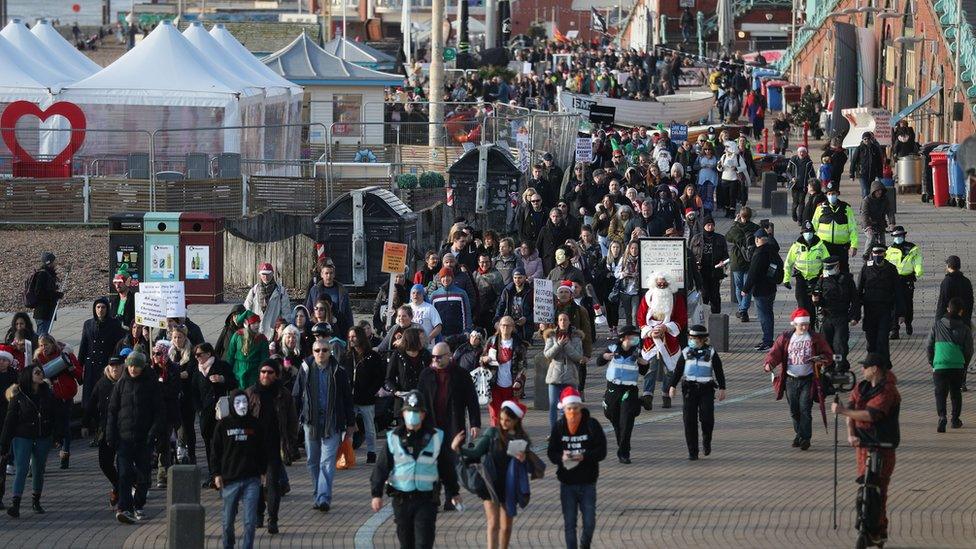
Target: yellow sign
[{"x": 394, "y": 257}]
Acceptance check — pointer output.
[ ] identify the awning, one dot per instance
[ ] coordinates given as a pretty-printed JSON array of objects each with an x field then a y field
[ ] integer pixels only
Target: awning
[{"x": 907, "y": 111}]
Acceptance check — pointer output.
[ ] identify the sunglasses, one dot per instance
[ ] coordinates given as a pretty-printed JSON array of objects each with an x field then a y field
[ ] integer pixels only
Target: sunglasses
[
  {"x": 535, "y": 201},
  {"x": 321, "y": 350},
  {"x": 438, "y": 357},
  {"x": 198, "y": 355}
]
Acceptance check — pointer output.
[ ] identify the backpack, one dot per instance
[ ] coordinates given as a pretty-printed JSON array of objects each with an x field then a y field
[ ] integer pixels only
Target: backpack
[
  {"x": 749, "y": 249},
  {"x": 478, "y": 476},
  {"x": 30, "y": 290}
]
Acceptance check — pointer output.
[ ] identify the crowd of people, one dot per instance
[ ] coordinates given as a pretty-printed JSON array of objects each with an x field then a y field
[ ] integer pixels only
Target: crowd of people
[{"x": 283, "y": 376}]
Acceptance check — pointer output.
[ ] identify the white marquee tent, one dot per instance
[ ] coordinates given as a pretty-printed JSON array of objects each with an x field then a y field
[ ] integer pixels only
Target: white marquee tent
[
  {"x": 63, "y": 50},
  {"x": 44, "y": 64},
  {"x": 18, "y": 82}
]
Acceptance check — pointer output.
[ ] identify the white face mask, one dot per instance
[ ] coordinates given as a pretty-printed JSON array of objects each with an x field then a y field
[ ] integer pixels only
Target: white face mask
[
  {"x": 831, "y": 270},
  {"x": 240, "y": 405},
  {"x": 899, "y": 239},
  {"x": 832, "y": 198},
  {"x": 808, "y": 236},
  {"x": 411, "y": 418}
]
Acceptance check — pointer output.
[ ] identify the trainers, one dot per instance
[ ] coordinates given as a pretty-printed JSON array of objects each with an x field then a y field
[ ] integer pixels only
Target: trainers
[
  {"x": 370, "y": 457},
  {"x": 125, "y": 517},
  {"x": 160, "y": 485},
  {"x": 272, "y": 528},
  {"x": 707, "y": 448},
  {"x": 11, "y": 470},
  {"x": 744, "y": 317},
  {"x": 763, "y": 347},
  {"x": 894, "y": 335},
  {"x": 942, "y": 425},
  {"x": 647, "y": 401},
  {"x": 796, "y": 442},
  {"x": 140, "y": 515},
  {"x": 666, "y": 402},
  {"x": 738, "y": 314},
  {"x": 692, "y": 457},
  {"x": 956, "y": 423}
]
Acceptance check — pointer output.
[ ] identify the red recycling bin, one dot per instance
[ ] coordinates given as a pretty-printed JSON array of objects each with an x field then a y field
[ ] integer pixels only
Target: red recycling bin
[
  {"x": 939, "y": 161},
  {"x": 202, "y": 255}
]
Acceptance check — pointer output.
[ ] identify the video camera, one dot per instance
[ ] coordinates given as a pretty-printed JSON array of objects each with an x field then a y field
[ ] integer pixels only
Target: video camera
[{"x": 838, "y": 377}]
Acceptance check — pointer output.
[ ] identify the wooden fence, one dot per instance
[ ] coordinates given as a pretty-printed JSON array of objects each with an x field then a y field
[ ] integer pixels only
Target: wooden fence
[{"x": 29, "y": 200}]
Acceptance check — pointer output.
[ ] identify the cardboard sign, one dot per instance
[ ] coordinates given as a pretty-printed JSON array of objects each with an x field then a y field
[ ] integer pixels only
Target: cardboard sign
[
  {"x": 678, "y": 132},
  {"x": 157, "y": 301},
  {"x": 394, "y": 257},
  {"x": 544, "y": 308},
  {"x": 584, "y": 150},
  {"x": 662, "y": 254}
]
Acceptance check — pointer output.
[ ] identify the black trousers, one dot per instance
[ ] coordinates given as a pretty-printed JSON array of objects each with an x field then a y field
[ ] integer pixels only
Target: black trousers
[
  {"x": 837, "y": 332},
  {"x": 416, "y": 521},
  {"x": 904, "y": 306},
  {"x": 877, "y": 325},
  {"x": 621, "y": 406},
  {"x": 948, "y": 383},
  {"x": 841, "y": 251},
  {"x": 801, "y": 290},
  {"x": 134, "y": 462},
  {"x": 208, "y": 423},
  {"x": 270, "y": 498},
  {"x": 106, "y": 462},
  {"x": 187, "y": 433},
  {"x": 698, "y": 405},
  {"x": 712, "y": 279}
]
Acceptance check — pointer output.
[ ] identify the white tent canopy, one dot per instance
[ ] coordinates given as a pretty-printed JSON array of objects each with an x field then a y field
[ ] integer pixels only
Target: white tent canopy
[
  {"x": 239, "y": 52},
  {"x": 362, "y": 54},
  {"x": 45, "y": 66},
  {"x": 18, "y": 83},
  {"x": 63, "y": 50}
]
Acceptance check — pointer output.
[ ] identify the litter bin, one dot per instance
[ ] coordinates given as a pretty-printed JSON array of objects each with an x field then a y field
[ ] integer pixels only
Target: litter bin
[
  {"x": 910, "y": 171},
  {"x": 202, "y": 249},
  {"x": 352, "y": 231},
  {"x": 927, "y": 173},
  {"x": 162, "y": 247},
  {"x": 957, "y": 178},
  {"x": 774, "y": 97},
  {"x": 125, "y": 240},
  {"x": 939, "y": 162}
]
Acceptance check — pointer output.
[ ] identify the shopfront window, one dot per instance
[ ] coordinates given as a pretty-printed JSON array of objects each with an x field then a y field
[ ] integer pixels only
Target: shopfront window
[{"x": 347, "y": 111}]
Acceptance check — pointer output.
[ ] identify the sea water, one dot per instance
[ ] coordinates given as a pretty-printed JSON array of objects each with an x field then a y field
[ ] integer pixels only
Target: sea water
[{"x": 89, "y": 13}]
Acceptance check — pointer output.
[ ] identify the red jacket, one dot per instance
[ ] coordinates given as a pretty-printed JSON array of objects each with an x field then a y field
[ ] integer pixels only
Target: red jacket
[
  {"x": 65, "y": 384},
  {"x": 779, "y": 353}
]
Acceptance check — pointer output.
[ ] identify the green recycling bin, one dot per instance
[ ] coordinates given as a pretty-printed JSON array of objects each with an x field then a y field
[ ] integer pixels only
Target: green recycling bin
[{"x": 161, "y": 252}]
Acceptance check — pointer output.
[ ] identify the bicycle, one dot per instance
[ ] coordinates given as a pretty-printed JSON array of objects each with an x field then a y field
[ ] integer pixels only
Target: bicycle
[{"x": 869, "y": 499}]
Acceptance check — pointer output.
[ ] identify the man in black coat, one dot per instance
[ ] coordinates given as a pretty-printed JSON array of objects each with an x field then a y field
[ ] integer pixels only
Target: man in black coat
[
  {"x": 955, "y": 284},
  {"x": 46, "y": 293},
  {"x": 800, "y": 171},
  {"x": 866, "y": 162},
  {"x": 552, "y": 236},
  {"x": 212, "y": 379},
  {"x": 765, "y": 271},
  {"x": 98, "y": 338},
  {"x": 879, "y": 290}
]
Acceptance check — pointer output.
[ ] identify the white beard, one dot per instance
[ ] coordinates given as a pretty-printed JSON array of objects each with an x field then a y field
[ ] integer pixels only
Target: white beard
[{"x": 661, "y": 304}]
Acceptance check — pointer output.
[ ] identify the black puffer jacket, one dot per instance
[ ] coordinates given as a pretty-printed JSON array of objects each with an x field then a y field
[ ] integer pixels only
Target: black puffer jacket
[
  {"x": 402, "y": 373},
  {"x": 96, "y": 410},
  {"x": 98, "y": 339},
  {"x": 30, "y": 416},
  {"x": 135, "y": 411},
  {"x": 366, "y": 375}
]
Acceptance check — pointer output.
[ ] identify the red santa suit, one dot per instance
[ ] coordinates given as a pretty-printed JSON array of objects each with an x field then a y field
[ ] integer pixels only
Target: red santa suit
[{"x": 654, "y": 311}]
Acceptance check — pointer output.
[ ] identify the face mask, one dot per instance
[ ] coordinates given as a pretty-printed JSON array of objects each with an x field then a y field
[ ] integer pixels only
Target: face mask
[
  {"x": 634, "y": 341},
  {"x": 240, "y": 405},
  {"x": 832, "y": 198},
  {"x": 693, "y": 344},
  {"x": 411, "y": 418},
  {"x": 877, "y": 257},
  {"x": 899, "y": 240},
  {"x": 831, "y": 271},
  {"x": 808, "y": 236}
]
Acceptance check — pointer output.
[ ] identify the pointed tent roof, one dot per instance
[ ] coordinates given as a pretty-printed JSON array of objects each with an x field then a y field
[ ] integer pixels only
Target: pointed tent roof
[
  {"x": 64, "y": 50},
  {"x": 230, "y": 69},
  {"x": 36, "y": 57},
  {"x": 239, "y": 52},
  {"x": 15, "y": 79},
  {"x": 304, "y": 62},
  {"x": 358, "y": 53},
  {"x": 163, "y": 64}
]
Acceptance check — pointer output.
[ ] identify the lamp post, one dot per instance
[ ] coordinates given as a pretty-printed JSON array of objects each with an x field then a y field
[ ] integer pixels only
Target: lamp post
[
  {"x": 955, "y": 71},
  {"x": 436, "y": 80}
]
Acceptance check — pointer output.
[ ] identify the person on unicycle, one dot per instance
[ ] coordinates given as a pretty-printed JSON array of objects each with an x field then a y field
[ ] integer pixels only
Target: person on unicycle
[{"x": 872, "y": 429}]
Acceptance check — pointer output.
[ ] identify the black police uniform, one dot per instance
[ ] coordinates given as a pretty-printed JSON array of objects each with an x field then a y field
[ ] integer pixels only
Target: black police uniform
[
  {"x": 839, "y": 303},
  {"x": 700, "y": 372},
  {"x": 879, "y": 290}
]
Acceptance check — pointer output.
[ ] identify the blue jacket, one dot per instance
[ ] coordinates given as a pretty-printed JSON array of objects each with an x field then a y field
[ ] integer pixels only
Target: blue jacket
[{"x": 455, "y": 309}]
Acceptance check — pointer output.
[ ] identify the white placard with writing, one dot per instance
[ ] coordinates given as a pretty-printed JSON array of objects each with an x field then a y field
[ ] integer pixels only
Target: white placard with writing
[
  {"x": 666, "y": 255},
  {"x": 544, "y": 310},
  {"x": 157, "y": 301},
  {"x": 584, "y": 150}
]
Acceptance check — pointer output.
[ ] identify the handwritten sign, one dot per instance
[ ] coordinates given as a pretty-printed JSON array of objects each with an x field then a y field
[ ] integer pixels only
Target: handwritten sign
[
  {"x": 678, "y": 132},
  {"x": 544, "y": 309},
  {"x": 584, "y": 150},
  {"x": 665, "y": 255},
  {"x": 394, "y": 257},
  {"x": 157, "y": 301}
]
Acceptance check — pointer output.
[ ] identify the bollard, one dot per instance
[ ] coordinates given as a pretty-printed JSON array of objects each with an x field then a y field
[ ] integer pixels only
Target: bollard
[
  {"x": 185, "y": 517},
  {"x": 779, "y": 202},
  {"x": 541, "y": 397},
  {"x": 718, "y": 331},
  {"x": 770, "y": 182}
]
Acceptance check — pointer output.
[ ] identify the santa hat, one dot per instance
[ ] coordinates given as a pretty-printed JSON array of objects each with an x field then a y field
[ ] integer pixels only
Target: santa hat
[
  {"x": 515, "y": 407},
  {"x": 565, "y": 285},
  {"x": 800, "y": 316},
  {"x": 118, "y": 278},
  {"x": 8, "y": 356},
  {"x": 569, "y": 396},
  {"x": 266, "y": 269}
]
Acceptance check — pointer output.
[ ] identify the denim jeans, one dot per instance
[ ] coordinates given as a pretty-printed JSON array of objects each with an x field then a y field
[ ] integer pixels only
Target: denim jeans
[
  {"x": 32, "y": 452},
  {"x": 247, "y": 490},
  {"x": 650, "y": 378},
  {"x": 555, "y": 389},
  {"x": 134, "y": 463},
  {"x": 575, "y": 499},
  {"x": 865, "y": 186},
  {"x": 367, "y": 412},
  {"x": 627, "y": 315},
  {"x": 738, "y": 281},
  {"x": 321, "y": 464},
  {"x": 42, "y": 326},
  {"x": 764, "y": 308},
  {"x": 800, "y": 397}
]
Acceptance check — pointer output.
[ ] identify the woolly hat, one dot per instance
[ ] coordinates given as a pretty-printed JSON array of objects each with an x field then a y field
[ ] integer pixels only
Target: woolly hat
[
  {"x": 266, "y": 269},
  {"x": 419, "y": 288},
  {"x": 47, "y": 258},
  {"x": 515, "y": 407},
  {"x": 761, "y": 233},
  {"x": 445, "y": 271},
  {"x": 569, "y": 396},
  {"x": 518, "y": 271},
  {"x": 800, "y": 316},
  {"x": 136, "y": 359}
]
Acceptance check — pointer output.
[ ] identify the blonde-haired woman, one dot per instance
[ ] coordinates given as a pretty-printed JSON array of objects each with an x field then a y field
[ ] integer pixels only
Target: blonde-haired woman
[{"x": 181, "y": 355}]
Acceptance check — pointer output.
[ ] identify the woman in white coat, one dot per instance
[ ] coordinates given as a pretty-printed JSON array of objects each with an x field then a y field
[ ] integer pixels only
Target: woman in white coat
[{"x": 269, "y": 300}]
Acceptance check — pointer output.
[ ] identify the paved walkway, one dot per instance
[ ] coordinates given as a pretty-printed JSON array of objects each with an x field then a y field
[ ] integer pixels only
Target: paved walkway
[{"x": 753, "y": 491}]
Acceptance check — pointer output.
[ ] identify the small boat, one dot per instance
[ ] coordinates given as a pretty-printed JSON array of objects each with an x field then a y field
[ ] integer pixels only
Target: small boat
[{"x": 683, "y": 108}]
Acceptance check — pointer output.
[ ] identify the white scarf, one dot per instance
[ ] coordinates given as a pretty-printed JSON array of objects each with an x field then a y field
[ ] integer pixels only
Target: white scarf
[{"x": 205, "y": 367}]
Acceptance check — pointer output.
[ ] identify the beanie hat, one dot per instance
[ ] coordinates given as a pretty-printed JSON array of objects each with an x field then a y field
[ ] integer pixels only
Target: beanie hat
[
  {"x": 273, "y": 364},
  {"x": 47, "y": 258},
  {"x": 445, "y": 271},
  {"x": 136, "y": 359},
  {"x": 518, "y": 271},
  {"x": 800, "y": 316},
  {"x": 266, "y": 269},
  {"x": 569, "y": 396},
  {"x": 420, "y": 288},
  {"x": 515, "y": 407}
]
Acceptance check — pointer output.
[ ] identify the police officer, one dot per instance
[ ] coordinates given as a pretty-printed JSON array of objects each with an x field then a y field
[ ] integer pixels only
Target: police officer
[
  {"x": 879, "y": 290},
  {"x": 620, "y": 403},
  {"x": 907, "y": 258},
  {"x": 836, "y": 295},
  {"x": 804, "y": 262},
  {"x": 836, "y": 225},
  {"x": 411, "y": 469},
  {"x": 699, "y": 369}
]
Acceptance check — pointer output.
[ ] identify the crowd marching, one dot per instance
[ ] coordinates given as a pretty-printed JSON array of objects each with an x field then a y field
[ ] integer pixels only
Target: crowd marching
[{"x": 285, "y": 378}]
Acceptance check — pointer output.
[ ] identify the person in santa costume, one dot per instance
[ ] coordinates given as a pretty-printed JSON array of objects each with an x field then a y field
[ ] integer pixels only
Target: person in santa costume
[
  {"x": 661, "y": 317},
  {"x": 794, "y": 352}
]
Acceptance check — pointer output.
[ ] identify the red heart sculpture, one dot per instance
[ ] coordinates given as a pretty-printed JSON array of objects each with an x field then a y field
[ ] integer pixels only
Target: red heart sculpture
[{"x": 18, "y": 109}]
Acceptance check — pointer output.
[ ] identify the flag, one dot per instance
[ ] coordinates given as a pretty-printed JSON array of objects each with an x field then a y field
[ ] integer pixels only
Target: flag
[
  {"x": 558, "y": 36},
  {"x": 597, "y": 22}
]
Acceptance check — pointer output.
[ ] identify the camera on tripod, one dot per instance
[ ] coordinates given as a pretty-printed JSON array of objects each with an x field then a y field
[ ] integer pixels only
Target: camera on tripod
[{"x": 838, "y": 377}]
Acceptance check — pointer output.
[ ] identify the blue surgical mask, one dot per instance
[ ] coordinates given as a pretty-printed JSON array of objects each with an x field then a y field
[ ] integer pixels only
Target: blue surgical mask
[
  {"x": 634, "y": 341},
  {"x": 693, "y": 343},
  {"x": 808, "y": 236},
  {"x": 411, "y": 418},
  {"x": 899, "y": 240},
  {"x": 832, "y": 198}
]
